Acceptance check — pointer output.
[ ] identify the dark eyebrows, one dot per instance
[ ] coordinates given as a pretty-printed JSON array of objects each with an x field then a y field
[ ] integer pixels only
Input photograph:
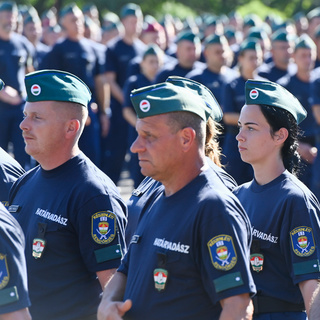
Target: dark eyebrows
[{"x": 248, "y": 123}]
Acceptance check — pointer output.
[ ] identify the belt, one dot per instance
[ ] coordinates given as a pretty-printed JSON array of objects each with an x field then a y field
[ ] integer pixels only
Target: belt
[{"x": 269, "y": 305}]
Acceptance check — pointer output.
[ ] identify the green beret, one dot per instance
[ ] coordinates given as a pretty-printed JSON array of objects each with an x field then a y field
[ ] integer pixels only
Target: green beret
[
  {"x": 314, "y": 13},
  {"x": 152, "y": 49},
  {"x": 305, "y": 42},
  {"x": 203, "y": 92},
  {"x": 250, "y": 44},
  {"x": 280, "y": 35},
  {"x": 31, "y": 19},
  {"x": 257, "y": 33},
  {"x": 272, "y": 94},
  {"x": 69, "y": 8},
  {"x": 56, "y": 85},
  {"x": 230, "y": 32},
  {"x": 89, "y": 7},
  {"x": 8, "y": 6},
  {"x": 165, "y": 97},
  {"x": 130, "y": 9},
  {"x": 1, "y": 84},
  {"x": 188, "y": 36},
  {"x": 215, "y": 39}
]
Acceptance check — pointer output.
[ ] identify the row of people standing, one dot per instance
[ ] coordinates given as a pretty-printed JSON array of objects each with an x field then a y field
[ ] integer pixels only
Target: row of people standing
[{"x": 108, "y": 133}]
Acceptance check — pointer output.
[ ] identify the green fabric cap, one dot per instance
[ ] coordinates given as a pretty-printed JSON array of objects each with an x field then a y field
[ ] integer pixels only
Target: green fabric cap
[
  {"x": 212, "y": 104},
  {"x": 187, "y": 35},
  {"x": 229, "y": 32},
  {"x": 257, "y": 33},
  {"x": 280, "y": 35},
  {"x": 250, "y": 44},
  {"x": 69, "y": 8},
  {"x": 130, "y": 9},
  {"x": 56, "y": 85},
  {"x": 165, "y": 97},
  {"x": 272, "y": 94},
  {"x": 8, "y": 6},
  {"x": 313, "y": 13},
  {"x": 215, "y": 39},
  {"x": 305, "y": 42},
  {"x": 1, "y": 84},
  {"x": 152, "y": 49}
]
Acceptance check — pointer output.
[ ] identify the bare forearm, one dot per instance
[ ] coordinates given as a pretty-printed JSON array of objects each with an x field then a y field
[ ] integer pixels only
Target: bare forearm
[{"x": 238, "y": 307}]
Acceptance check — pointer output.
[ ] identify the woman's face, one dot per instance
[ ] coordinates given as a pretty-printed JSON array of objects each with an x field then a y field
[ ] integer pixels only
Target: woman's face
[{"x": 255, "y": 142}]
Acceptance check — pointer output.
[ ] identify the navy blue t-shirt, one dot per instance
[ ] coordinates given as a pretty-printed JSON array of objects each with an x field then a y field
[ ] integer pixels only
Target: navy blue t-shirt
[
  {"x": 81, "y": 58},
  {"x": 284, "y": 218},
  {"x": 271, "y": 72},
  {"x": 213, "y": 81},
  {"x": 15, "y": 55},
  {"x": 149, "y": 188},
  {"x": 302, "y": 91},
  {"x": 174, "y": 69},
  {"x": 13, "y": 270},
  {"x": 77, "y": 210},
  {"x": 200, "y": 237},
  {"x": 10, "y": 171}
]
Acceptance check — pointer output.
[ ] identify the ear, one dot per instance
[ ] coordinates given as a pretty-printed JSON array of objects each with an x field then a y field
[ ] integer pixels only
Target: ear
[
  {"x": 188, "y": 136},
  {"x": 281, "y": 135},
  {"x": 72, "y": 128}
]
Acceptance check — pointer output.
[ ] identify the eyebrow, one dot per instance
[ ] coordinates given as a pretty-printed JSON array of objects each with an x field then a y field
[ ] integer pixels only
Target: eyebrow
[{"x": 248, "y": 123}]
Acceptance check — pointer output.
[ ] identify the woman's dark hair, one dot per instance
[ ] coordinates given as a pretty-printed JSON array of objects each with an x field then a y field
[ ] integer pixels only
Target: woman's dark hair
[{"x": 279, "y": 118}]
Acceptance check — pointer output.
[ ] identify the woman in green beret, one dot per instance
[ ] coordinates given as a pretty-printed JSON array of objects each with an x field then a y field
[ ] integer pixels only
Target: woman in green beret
[{"x": 283, "y": 212}]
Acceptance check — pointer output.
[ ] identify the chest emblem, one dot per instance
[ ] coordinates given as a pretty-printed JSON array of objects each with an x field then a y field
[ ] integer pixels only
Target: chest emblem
[
  {"x": 103, "y": 227},
  {"x": 160, "y": 278},
  {"x": 4, "y": 272},
  {"x": 222, "y": 252},
  {"x": 38, "y": 246},
  {"x": 302, "y": 241}
]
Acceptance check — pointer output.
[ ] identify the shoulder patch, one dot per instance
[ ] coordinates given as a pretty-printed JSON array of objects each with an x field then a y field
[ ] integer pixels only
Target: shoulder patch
[
  {"x": 222, "y": 252},
  {"x": 4, "y": 271},
  {"x": 103, "y": 227},
  {"x": 302, "y": 241}
]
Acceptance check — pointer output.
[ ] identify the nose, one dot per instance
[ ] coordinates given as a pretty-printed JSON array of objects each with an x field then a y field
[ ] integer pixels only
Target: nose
[
  {"x": 24, "y": 124},
  {"x": 137, "y": 145},
  {"x": 239, "y": 136}
]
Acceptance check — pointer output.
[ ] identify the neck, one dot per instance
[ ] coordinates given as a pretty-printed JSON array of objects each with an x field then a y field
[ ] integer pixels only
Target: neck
[
  {"x": 5, "y": 35},
  {"x": 179, "y": 179},
  {"x": 128, "y": 39},
  {"x": 215, "y": 69},
  {"x": 246, "y": 74},
  {"x": 52, "y": 162},
  {"x": 303, "y": 75},
  {"x": 266, "y": 173}
]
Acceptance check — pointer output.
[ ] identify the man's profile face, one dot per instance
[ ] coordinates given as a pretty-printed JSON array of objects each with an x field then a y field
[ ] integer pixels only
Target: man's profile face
[{"x": 157, "y": 146}]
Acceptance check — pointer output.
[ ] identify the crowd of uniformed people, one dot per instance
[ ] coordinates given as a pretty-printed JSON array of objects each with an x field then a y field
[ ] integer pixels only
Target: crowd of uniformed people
[{"x": 75, "y": 64}]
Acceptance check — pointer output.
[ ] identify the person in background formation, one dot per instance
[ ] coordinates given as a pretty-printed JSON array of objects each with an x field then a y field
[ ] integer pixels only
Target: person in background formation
[
  {"x": 83, "y": 57},
  {"x": 118, "y": 55},
  {"x": 250, "y": 57},
  {"x": 188, "y": 258},
  {"x": 10, "y": 171},
  {"x": 299, "y": 84},
  {"x": 74, "y": 226},
  {"x": 16, "y": 58},
  {"x": 282, "y": 210},
  {"x": 151, "y": 62}
]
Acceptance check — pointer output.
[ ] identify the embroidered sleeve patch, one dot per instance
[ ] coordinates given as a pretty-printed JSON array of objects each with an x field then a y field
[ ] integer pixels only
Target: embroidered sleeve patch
[
  {"x": 302, "y": 241},
  {"x": 222, "y": 252},
  {"x": 4, "y": 271},
  {"x": 103, "y": 227}
]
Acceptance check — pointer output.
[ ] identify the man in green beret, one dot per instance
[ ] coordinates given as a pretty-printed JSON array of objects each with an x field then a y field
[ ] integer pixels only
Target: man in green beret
[
  {"x": 71, "y": 213},
  {"x": 299, "y": 84},
  {"x": 81, "y": 56},
  {"x": 118, "y": 56},
  {"x": 281, "y": 53},
  {"x": 16, "y": 60},
  {"x": 188, "y": 243},
  {"x": 188, "y": 51}
]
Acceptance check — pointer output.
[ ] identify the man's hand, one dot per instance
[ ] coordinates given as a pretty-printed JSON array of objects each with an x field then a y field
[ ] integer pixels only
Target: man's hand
[{"x": 113, "y": 310}]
